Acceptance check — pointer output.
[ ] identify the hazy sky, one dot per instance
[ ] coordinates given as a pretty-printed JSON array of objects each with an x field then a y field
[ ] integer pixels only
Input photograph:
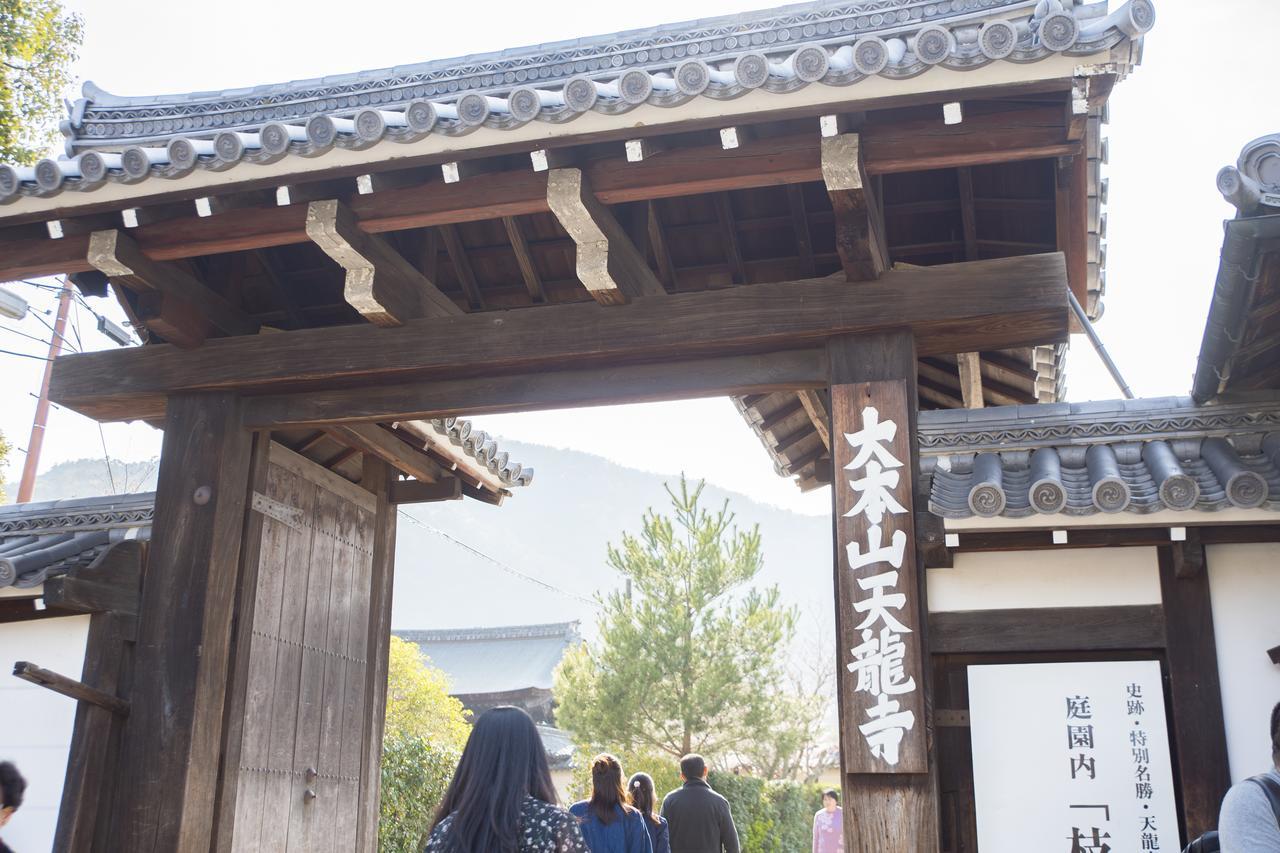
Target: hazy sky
[{"x": 1204, "y": 89}]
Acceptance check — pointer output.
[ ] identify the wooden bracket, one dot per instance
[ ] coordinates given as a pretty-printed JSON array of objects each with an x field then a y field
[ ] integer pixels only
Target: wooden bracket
[
  {"x": 111, "y": 583},
  {"x": 70, "y": 687},
  {"x": 417, "y": 491},
  {"x": 609, "y": 265},
  {"x": 931, "y": 540},
  {"x": 859, "y": 223},
  {"x": 380, "y": 283},
  {"x": 115, "y": 254}
]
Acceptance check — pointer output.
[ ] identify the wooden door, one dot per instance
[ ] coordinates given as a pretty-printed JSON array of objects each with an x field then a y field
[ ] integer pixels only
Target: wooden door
[{"x": 296, "y": 726}]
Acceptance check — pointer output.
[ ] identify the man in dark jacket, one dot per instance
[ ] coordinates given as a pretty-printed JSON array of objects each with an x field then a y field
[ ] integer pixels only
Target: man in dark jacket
[{"x": 698, "y": 817}]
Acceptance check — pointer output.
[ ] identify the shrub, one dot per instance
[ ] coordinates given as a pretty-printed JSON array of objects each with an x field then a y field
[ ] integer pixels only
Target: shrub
[{"x": 415, "y": 775}]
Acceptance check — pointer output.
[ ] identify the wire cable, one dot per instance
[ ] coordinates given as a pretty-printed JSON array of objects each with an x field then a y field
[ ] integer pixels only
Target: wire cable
[
  {"x": 20, "y": 333},
  {"x": 23, "y": 354},
  {"x": 501, "y": 565}
]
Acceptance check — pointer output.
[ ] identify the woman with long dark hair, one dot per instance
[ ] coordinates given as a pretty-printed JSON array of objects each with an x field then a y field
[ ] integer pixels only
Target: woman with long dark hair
[
  {"x": 501, "y": 799},
  {"x": 642, "y": 795},
  {"x": 608, "y": 822}
]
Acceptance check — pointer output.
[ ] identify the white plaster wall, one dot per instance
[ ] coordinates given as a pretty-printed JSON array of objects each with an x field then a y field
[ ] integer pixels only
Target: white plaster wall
[
  {"x": 1244, "y": 583},
  {"x": 1069, "y": 577},
  {"x": 35, "y": 723}
]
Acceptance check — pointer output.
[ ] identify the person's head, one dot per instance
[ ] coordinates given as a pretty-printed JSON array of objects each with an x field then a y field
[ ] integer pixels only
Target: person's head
[
  {"x": 503, "y": 762},
  {"x": 606, "y": 787},
  {"x": 1275, "y": 735},
  {"x": 830, "y": 799},
  {"x": 12, "y": 787},
  {"x": 693, "y": 766},
  {"x": 640, "y": 792}
]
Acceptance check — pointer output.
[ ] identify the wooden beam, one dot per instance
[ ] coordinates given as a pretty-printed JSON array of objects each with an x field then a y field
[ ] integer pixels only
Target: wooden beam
[
  {"x": 110, "y": 583},
  {"x": 1004, "y": 303},
  {"x": 380, "y": 283},
  {"x": 1029, "y": 134},
  {"x": 528, "y": 271},
  {"x": 968, "y": 217},
  {"x": 609, "y": 265},
  {"x": 1199, "y": 730},
  {"x": 1047, "y": 629},
  {"x": 970, "y": 365},
  {"x": 859, "y": 223},
  {"x": 526, "y": 392},
  {"x": 462, "y": 266},
  {"x": 416, "y": 491},
  {"x": 383, "y": 443},
  {"x": 95, "y": 738},
  {"x": 169, "y": 755},
  {"x": 115, "y": 254},
  {"x": 70, "y": 687},
  {"x": 377, "y": 478}
]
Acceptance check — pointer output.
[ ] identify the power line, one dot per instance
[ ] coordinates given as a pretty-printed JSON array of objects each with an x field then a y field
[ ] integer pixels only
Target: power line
[
  {"x": 501, "y": 565},
  {"x": 23, "y": 354},
  {"x": 38, "y": 340}
]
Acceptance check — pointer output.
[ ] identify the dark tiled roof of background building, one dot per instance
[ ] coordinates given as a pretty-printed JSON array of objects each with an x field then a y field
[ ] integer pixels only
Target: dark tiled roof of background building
[
  {"x": 496, "y": 660},
  {"x": 1113, "y": 456},
  {"x": 49, "y": 538}
]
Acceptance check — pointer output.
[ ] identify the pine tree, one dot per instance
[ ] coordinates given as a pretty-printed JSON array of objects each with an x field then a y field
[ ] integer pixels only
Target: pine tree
[{"x": 689, "y": 657}]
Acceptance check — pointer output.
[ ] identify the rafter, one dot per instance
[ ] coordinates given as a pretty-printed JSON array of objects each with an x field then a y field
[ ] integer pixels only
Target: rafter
[
  {"x": 462, "y": 266},
  {"x": 380, "y": 283},
  {"x": 529, "y": 272},
  {"x": 729, "y": 233},
  {"x": 609, "y": 264}
]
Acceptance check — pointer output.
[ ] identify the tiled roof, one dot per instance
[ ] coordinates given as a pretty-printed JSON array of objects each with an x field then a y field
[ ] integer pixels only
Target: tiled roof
[
  {"x": 1114, "y": 456},
  {"x": 1241, "y": 343},
  {"x": 496, "y": 660},
  {"x": 50, "y": 538},
  {"x": 128, "y": 139}
]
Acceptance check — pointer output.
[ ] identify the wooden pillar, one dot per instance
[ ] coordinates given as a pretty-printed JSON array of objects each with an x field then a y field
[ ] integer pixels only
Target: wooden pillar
[
  {"x": 379, "y": 477},
  {"x": 169, "y": 759},
  {"x": 1199, "y": 733},
  {"x": 889, "y": 774}
]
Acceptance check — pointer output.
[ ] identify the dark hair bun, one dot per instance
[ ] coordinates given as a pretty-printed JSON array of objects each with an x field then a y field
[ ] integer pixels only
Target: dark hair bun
[{"x": 12, "y": 786}]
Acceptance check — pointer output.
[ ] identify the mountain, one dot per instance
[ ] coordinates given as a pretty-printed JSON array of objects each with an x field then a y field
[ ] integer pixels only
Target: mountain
[{"x": 457, "y": 562}]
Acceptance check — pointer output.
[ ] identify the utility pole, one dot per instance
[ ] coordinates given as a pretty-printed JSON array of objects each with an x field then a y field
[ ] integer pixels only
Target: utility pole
[{"x": 28, "y": 484}]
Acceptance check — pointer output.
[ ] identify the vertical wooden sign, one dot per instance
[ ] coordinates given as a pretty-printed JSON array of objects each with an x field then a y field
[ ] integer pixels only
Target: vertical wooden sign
[{"x": 881, "y": 673}]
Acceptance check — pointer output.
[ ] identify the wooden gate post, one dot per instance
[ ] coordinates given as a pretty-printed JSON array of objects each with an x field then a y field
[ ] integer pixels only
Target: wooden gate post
[
  {"x": 169, "y": 761},
  {"x": 887, "y": 757}
]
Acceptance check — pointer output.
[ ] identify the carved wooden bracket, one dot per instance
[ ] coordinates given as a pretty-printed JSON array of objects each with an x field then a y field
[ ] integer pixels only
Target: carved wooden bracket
[
  {"x": 609, "y": 265},
  {"x": 380, "y": 283}
]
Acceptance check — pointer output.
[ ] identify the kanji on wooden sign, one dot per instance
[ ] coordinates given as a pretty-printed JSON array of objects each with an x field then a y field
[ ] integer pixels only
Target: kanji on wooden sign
[{"x": 883, "y": 702}]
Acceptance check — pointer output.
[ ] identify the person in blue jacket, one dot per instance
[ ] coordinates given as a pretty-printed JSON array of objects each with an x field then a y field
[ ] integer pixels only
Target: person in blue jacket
[
  {"x": 608, "y": 822},
  {"x": 640, "y": 790}
]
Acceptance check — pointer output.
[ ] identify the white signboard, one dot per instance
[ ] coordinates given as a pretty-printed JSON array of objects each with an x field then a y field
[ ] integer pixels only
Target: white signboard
[{"x": 1072, "y": 758}]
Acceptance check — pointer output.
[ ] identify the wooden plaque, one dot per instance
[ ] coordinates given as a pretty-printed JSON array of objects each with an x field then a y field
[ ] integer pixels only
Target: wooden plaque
[{"x": 879, "y": 617}]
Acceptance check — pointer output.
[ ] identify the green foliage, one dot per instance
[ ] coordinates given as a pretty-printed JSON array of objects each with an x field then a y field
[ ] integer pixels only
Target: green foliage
[
  {"x": 425, "y": 731},
  {"x": 415, "y": 775},
  {"x": 418, "y": 700},
  {"x": 39, "y": 41},
  {"x": 689, "y": 658}
]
